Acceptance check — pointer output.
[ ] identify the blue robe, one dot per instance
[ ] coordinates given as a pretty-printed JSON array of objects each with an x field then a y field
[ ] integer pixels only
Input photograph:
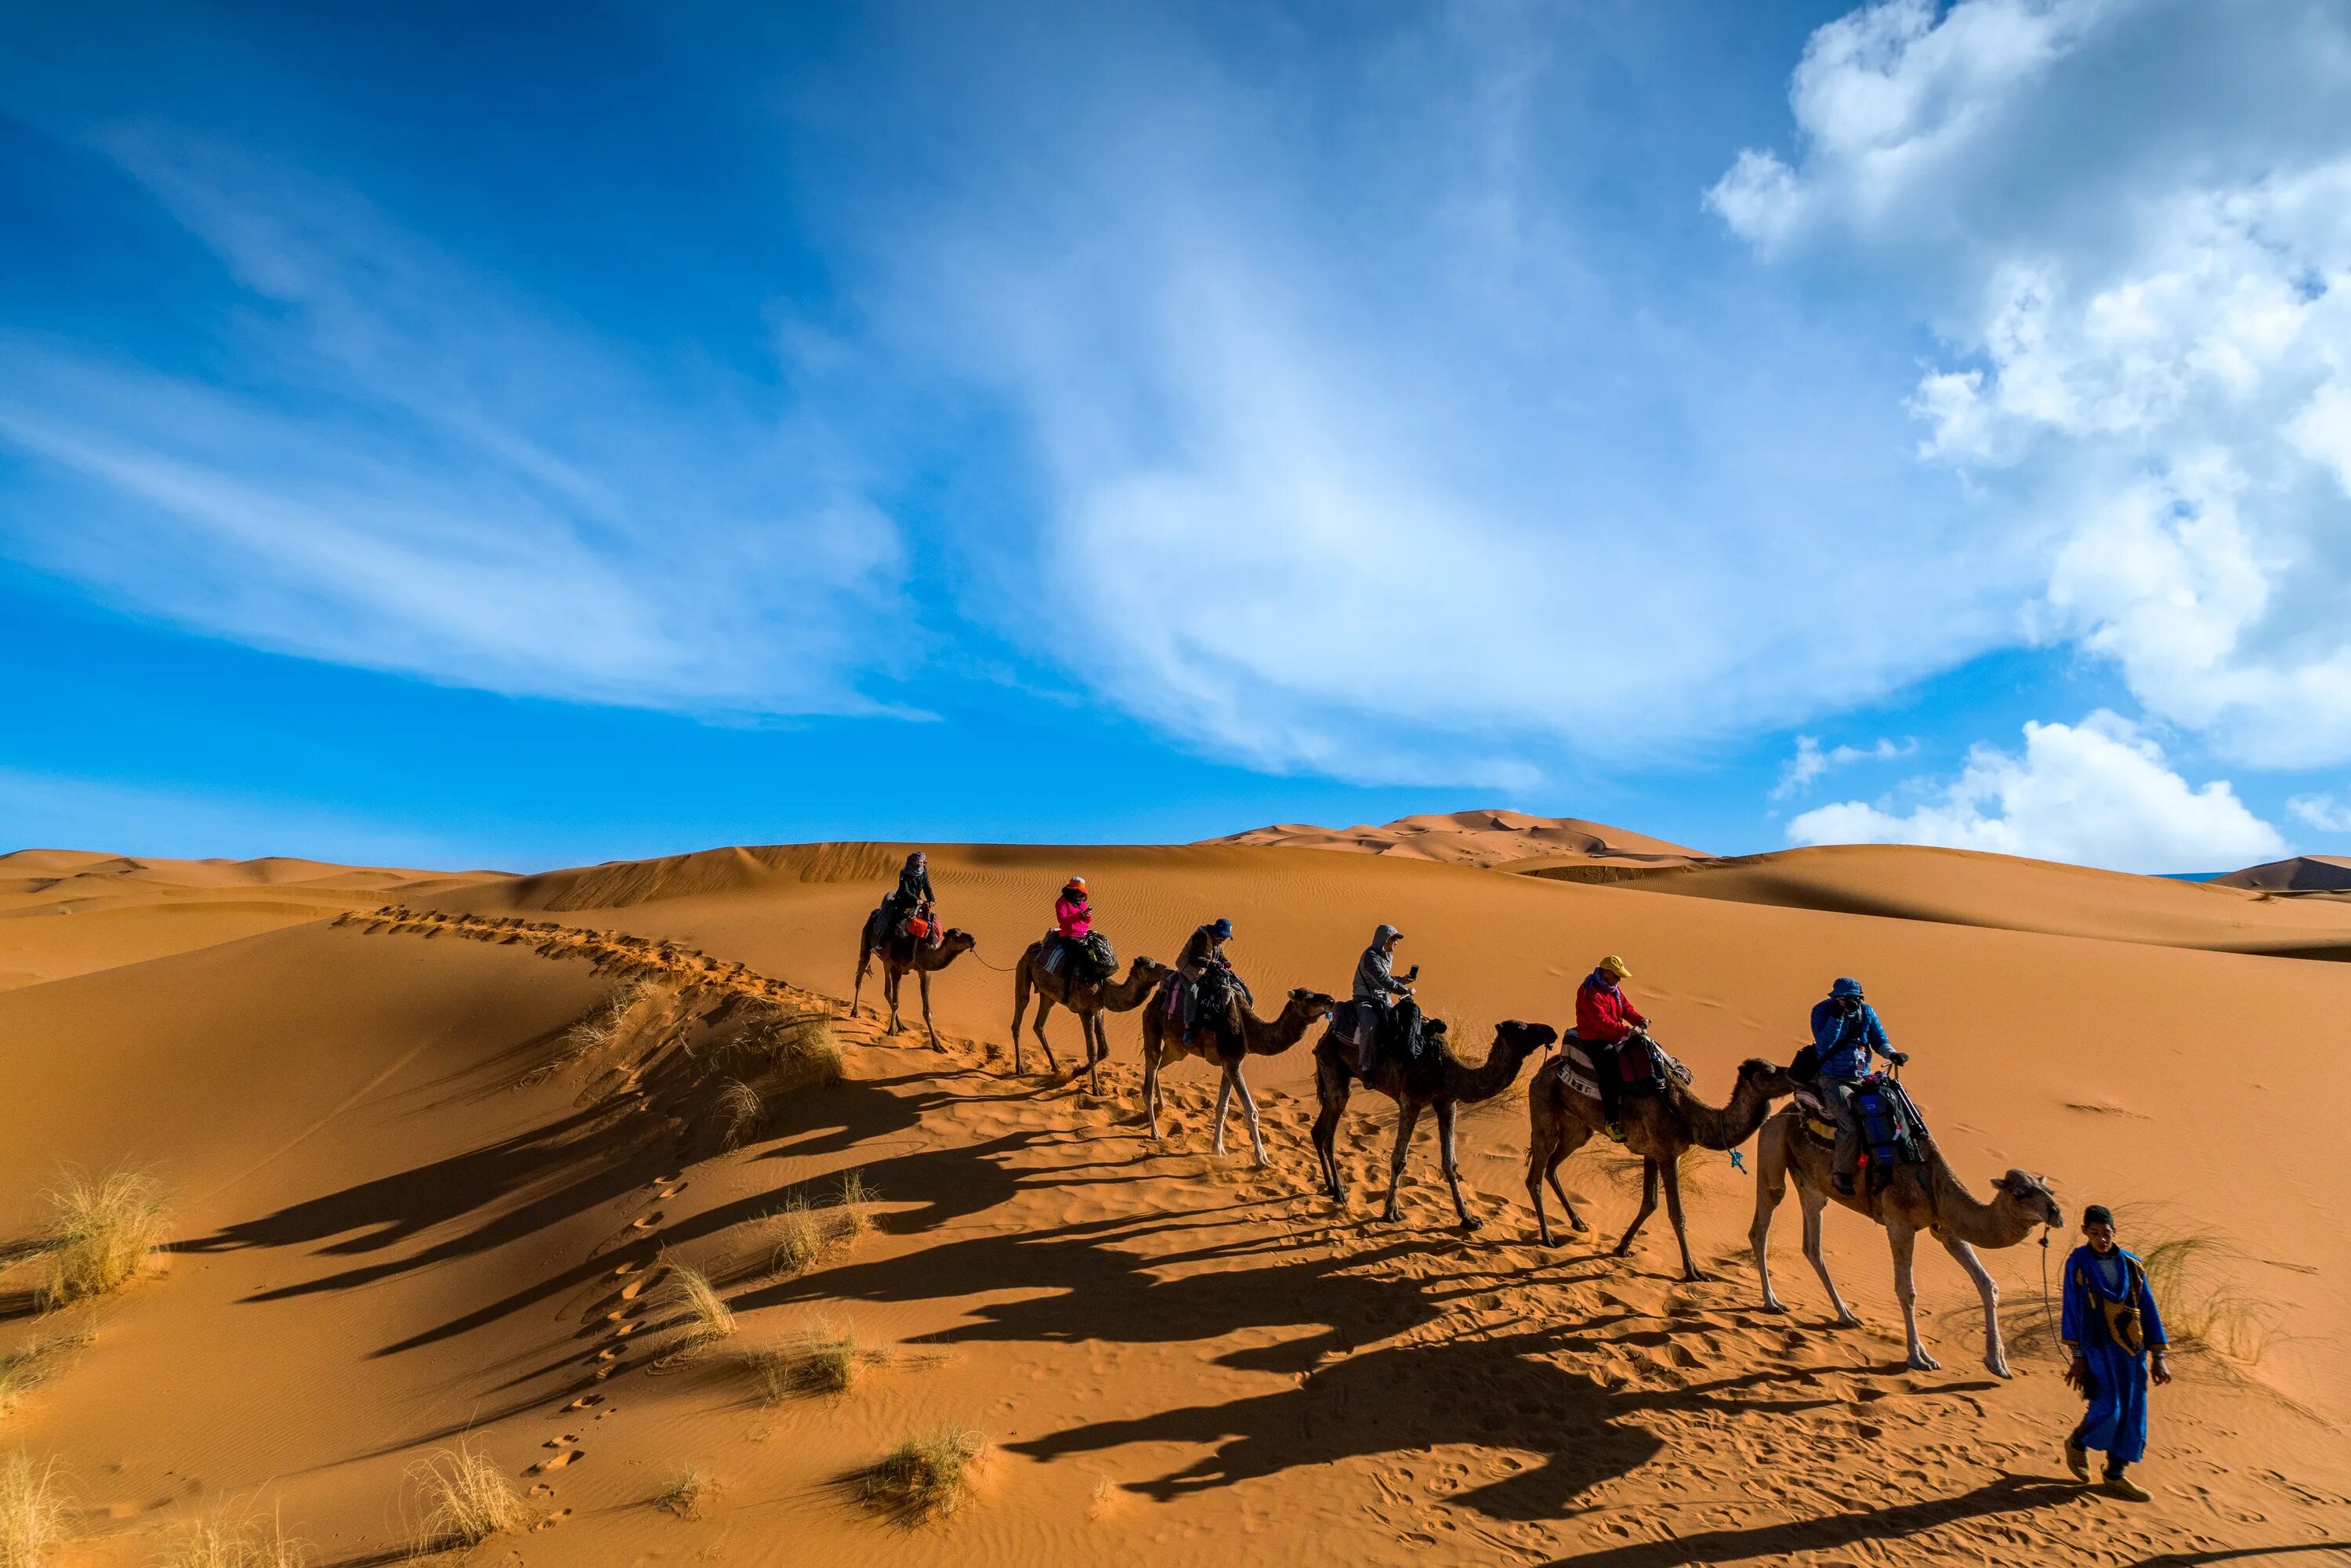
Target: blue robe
[{"x": 2117, "y": 1421}]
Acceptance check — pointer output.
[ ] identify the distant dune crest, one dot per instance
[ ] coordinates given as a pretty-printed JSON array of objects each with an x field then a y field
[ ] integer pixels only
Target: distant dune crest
[
  {"x": 2300, "y": 873},
  {"x": 1481, "y": 838}
]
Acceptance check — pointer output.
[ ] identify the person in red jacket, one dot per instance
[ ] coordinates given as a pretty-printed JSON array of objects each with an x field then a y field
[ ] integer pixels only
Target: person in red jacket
[
  {"x": 1605, "y": 1019},
  {"x": 1087, "y": 955}
]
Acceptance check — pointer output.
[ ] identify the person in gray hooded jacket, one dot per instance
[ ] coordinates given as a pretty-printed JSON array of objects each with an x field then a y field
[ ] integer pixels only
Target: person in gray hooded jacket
[{"x": 1376, "y": 986}]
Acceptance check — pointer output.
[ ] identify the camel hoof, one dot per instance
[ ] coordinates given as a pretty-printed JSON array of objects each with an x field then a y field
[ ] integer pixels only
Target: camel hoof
[
  {"x": 1921, "y": 1362},
  {"x": 1997, "y": 1369},
  {"x": 1773, "y": 1306},
  {"x": 1697, "y": 1277},
  {"x": 1847, "y": 1321},
  {"x": 1578, "y": 1227},
  {"x": 1472, "y": 1222}
]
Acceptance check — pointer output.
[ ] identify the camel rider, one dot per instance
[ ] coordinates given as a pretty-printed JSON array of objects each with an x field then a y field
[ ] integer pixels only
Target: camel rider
[
  {"x": 2112, "y": 1327},
  {"x": 1605, "y": 1019},
  {"x": 1073, "y": 915},
  {"x": 913, "y": 896},
  {"x": 1845, "y": 1036},
  {"x": 1203, "y": 953},
  {"x": 1375, "y": 984}
]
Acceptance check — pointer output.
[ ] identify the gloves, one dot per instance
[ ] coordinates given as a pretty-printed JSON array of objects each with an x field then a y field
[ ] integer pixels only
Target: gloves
[{"x": 1900, "y": 1058}]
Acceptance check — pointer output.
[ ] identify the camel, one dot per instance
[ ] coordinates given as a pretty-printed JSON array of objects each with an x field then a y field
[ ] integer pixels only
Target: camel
[
  {"x": 899, "y": 954},
  {"x": 1658, "y": 1128},
  {"x": 1924, "y": 1197},
  {"x": 1228, "y": 1041},
  {"x": 1437, "y": 1078},
  {"x": 1089, "y": 999}
]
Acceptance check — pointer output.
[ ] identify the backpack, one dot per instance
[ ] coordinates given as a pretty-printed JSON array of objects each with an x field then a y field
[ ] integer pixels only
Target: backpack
[{"x": 1891, "y": 1128}]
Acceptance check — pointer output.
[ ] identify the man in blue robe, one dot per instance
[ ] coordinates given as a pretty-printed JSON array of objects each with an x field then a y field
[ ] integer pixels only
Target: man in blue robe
[{"x": 2112, "y": 1328}]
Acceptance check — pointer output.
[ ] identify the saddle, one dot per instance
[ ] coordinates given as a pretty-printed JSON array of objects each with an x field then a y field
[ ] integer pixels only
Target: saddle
[
  {"x": 1892, "y": 1132},
  {"x": 1088, "y": 960},
  {"x": 1400, "y": 1031},
  {"x": 1581, "y": 1074}
]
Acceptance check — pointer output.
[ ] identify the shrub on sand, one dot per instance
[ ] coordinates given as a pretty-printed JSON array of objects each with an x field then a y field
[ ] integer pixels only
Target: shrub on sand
[
  {"x": 740, "y": 1112},
  {"x": 798, "y": 1240},
  {"x": 99, "y": 1232},
  {"x": 2201, "y": 1305},
  {"x": 705, "y": 1317},
  {"x": 464, "y": 1500},
  {"x": 230, "y": 1544},
  {"x": 685, "y": 1494},
  {"x": 32, "y": 1512},
  {"x": 926, "y": 1477},
  {"x": 799, "y": 1047},
  {"x": 856, "y": 1217}
]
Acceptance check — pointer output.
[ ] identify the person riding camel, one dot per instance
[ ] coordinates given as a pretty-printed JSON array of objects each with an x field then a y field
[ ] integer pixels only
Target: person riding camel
[
  {"x": 1203, "y": 954},
  {"x": 1846, "y": 1034},
  {"x": 1605, "y": 1019},
  {"x": 1073, "y": 915},
  {"x": 1378, "y": 993},
  {"x": 913, "y": 896},
  {"x": 2112, "y": 1327}
]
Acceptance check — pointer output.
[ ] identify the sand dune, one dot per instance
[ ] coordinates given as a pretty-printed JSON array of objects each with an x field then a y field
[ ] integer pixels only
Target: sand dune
[
  {"x": 1473, "y": 837},
  {"x": 2303, "y": 874},
  {"x": 399, "y": 1219}
]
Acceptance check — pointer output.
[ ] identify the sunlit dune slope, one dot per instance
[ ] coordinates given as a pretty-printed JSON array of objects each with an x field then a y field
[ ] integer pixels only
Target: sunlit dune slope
[
  {"x": 1961, "y": 887},
  {"x": 68, "y": 912},
  {"x": 1473, "y": 837},
  {"x": 403, "y": 1222}
]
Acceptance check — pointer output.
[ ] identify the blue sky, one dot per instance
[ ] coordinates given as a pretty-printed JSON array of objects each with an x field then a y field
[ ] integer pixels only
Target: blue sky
[{"x": 602, "y": 432}]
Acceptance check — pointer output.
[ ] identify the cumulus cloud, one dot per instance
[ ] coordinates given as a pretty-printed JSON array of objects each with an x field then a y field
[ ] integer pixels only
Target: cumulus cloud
[
  {"x": 2100, "y": 792},
  {"x": 412, "y": 470},
  {"x": 2130, "y": 221},
  {"x": 1811, "y": 762}
]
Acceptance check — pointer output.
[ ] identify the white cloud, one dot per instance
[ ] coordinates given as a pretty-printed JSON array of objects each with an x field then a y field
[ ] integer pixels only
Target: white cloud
[
  {"x": 410, "y": 470},
  {"x": 2324, "y": 813},
  {"x": 2130, "y": 222},
  {"x": 1811, "y": 762},
  {"x": 2097, "y": 793}
]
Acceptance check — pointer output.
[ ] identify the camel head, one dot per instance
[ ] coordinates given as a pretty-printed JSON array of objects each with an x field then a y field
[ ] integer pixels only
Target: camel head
[
  {"x": 956, "y": 941},
  {"x": 1149, "y": 971},
  {"x": 2030, "y": 1194},
  {"x": 1768, "y": 1079},
  {"x": 1304, "y": 1007},
  {"x": 1523, "y": 1040}
]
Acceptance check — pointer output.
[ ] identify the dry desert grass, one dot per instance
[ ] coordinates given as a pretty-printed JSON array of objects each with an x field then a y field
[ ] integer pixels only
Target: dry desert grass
[
  {"x": 704, "y": 1317},
  {"x": 686, "y": 1494},
  {"x": 740, "y": 1112},
  {"x": 32, "y": 1512},
  {"x": 236, "y": 1544},
  {"x": 926, "y": 1477},
  {"x": 99, "y": 1232},
  {"x": 798, "y": 1048},
  {"x": 462, "y": 1500}
]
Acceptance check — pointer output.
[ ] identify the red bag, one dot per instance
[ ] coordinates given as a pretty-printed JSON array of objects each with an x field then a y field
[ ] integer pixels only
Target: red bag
[{"x": 917, "y": 927}]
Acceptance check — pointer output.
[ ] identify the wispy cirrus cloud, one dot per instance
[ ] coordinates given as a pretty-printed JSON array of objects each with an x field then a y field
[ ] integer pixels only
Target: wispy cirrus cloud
[{"x": 409, "y": 468}]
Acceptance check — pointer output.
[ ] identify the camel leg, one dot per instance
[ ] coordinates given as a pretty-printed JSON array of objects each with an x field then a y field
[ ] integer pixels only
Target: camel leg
[
  {"x": 923, "y": 979},
  {"x": 1905, "y": 1243},
  {"x": 1224, "y": 1101},
  {"x": 1097, "y": 1041},
  {"x": 1044, "y": 1005},
  {"x": 865, "y": 962},
  {"x": 1407, "y": 1112},
  {"x": 1995, "y": 1350},
  {"x": 1330, "y": 1087},
  {"x": 1151, "y": 1054},
  {"x": 1248, "y": 1109},
  {"x": 1672, "y": 1171},
  {"x": 1542, "y": 1158},
  {"x": 1649, "y": 1206},
  {"x": 1565, "y": 1147},
  {"x": 1770, "y": 1186},
  {"x": 891, "y": 976},
  {"x": 1452, "y": 1167},
  {"x": 1815, "y": 1204}
]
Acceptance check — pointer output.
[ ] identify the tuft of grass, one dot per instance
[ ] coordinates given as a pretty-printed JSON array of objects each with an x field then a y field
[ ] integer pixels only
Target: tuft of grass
[
  {"x": 2200, "y": 1303},
  {"x": 705, "y": 1317},
  {"x": 26, "y": 1368},
  {"x": 855, "y": 1218},
  {"x": 463, "y": 1499},
  {"x": 800, "y": 1240},
  {"x": 236, "y": 1544},
  {"x": 99, "y": 1232},
  {"x": 740, "y": 1113},
  {"x": 926, "y": 1477},
  {"x": 798, "y": 1047},
  {"x": 602, "y": 1028},
  {"x": 686, "y": 1494},
  {"x": 32, "y": 1512}
]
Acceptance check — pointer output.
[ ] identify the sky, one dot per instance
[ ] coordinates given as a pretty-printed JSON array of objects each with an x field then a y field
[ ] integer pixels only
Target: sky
[{"x": 536, "y": 435}]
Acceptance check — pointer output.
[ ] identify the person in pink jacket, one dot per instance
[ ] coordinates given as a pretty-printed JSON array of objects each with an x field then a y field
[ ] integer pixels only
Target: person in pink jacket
[{"x": 1087, "y": 955}]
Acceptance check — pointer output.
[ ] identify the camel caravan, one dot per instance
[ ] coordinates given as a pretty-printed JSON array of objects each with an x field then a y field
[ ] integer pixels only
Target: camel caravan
[{"x": 1830, "y": 1122}]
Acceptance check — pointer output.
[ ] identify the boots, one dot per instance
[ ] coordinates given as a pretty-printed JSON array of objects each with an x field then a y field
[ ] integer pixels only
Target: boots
[
  {"x": 2077, "y": 1460},
  {"x": 2122, "y": 1485}
]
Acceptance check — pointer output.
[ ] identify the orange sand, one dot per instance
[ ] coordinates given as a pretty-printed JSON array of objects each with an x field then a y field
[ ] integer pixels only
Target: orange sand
[{"x": 391, "y": 1229}]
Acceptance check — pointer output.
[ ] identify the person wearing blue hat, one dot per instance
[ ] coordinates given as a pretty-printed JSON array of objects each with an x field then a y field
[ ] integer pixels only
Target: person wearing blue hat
[{"x": 1846, "y": 1034}]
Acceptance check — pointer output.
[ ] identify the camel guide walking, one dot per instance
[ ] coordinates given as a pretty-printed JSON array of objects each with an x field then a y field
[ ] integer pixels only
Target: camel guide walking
[{"x": 2112, "y": 1328}]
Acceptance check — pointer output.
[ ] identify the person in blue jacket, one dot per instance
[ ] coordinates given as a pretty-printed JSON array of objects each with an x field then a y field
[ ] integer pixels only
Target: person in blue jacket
[
  {"x": 2112, "y": 1328},
  {"x": 1845, "y": 1036}
]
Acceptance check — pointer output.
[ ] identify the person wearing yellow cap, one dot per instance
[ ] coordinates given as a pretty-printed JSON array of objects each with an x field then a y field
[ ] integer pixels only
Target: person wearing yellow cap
[{"x": 1605, "y": 1019}]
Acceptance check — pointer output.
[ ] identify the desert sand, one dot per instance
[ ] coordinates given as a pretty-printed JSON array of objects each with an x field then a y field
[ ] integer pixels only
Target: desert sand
[{"x": 410, "y": 1211}]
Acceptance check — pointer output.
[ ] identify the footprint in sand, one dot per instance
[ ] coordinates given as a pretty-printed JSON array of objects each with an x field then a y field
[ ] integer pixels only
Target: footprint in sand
[
  {"x": 542, "y": 1488},
  {"x": 630, "y": 1292},
  {"x": 648, "y": 1222},
  {"x": 560, "y": 1442},
  {"x": 585, "y": 1401},
  {"x": 570, "y": 1457},
  {"x": 552, "y": 1520}
]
